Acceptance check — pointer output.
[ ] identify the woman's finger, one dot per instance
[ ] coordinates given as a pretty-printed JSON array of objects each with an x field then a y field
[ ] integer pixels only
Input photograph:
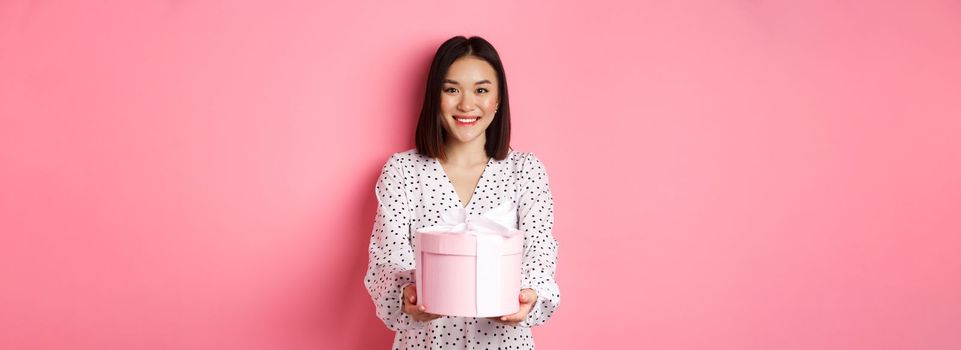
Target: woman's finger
[
  {"x": 410, "y": 294},
  {"x": 419, "y": 312},
  {"x": 416, "y": 313},
  {"x": 528, "y": 296},
  {"x": 424, "y": 316},
  {"x": 518, "y": 316}
]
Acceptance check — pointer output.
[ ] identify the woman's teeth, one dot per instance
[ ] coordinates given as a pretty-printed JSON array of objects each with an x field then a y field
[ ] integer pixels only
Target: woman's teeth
[{"x": 466, "y": 122}]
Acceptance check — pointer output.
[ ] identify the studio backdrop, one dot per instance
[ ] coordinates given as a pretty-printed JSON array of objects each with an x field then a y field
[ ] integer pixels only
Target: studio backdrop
[{"x": 726, "y": 174}]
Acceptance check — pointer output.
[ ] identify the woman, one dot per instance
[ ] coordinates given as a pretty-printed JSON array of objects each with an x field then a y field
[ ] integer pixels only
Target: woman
[{"x": 463, "y": 158}]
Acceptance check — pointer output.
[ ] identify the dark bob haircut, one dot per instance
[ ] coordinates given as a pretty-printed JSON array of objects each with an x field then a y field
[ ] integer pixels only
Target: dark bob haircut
[{"x": 430, "y": 135}]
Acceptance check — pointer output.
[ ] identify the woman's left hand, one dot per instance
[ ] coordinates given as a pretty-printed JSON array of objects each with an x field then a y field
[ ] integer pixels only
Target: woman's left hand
[{"x": 527, "y": 298}]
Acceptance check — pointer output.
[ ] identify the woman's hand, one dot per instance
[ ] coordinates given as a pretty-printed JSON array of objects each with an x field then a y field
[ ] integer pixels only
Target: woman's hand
[
  {"x": 411, "y": 308},
  {"x": 527, "y": 298}
]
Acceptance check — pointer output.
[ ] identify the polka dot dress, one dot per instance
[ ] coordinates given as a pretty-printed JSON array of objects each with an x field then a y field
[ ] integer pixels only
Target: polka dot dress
[{"x": 412, "y": 192}]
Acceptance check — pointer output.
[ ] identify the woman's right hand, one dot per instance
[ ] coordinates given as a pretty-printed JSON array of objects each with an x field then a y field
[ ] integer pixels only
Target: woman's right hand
[{"x": 411, "y": 308}]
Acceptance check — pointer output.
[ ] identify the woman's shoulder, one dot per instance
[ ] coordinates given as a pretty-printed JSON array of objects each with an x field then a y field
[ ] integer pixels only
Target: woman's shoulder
[
  {"x": 407, "y": 155},
  {"x": 406, "y": 158},
  {"x": 524, "y": 160}
]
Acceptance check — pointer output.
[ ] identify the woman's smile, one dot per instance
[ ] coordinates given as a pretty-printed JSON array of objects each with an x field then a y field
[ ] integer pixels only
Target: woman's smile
[{"x": 466, "y": 121}]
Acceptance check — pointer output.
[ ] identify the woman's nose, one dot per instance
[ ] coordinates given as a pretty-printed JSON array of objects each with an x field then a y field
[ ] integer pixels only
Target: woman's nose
[{"x": 466, "y": 103}]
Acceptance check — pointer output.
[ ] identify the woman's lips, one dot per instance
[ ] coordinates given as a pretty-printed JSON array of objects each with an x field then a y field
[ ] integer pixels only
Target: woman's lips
[{"x": 466, "y": 120}]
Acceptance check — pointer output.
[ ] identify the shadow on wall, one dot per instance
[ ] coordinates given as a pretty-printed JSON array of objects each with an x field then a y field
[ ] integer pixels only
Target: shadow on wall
[
  {"x": 333, "y": 309},
  {"x": 354, "y": 310},
  {"x": 352, "y": 321}
]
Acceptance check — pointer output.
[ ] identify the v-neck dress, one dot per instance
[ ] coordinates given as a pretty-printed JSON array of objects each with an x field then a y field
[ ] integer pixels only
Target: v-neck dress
[{"x": 412, "y": 192}]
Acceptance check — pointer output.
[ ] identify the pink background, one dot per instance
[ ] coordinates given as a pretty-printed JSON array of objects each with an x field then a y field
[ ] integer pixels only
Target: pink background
[{"x": 727, "y": 174}]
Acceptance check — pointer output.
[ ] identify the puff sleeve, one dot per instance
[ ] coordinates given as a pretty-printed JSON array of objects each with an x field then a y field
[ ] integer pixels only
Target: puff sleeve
[
  {"x": 390, "y": 255},
  {"x": 536, "y": 218}
]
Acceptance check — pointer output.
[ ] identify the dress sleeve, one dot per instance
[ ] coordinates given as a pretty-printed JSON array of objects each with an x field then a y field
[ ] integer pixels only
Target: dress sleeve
[
  {"x": 390, "y": 255},
  {"x": 536, "y": 216}
]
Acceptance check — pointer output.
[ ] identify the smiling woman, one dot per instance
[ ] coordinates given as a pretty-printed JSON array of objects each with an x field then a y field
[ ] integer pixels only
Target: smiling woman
[
  {"x": 463, "y": 159},
  {"x": 466, "y": 80}
]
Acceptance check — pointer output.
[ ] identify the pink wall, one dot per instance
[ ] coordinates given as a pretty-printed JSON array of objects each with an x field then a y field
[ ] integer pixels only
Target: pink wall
[{"x": 728, "y": 174}]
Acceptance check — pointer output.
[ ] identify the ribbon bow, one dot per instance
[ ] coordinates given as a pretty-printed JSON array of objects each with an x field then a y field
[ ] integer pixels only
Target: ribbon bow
[{"x": 501, "y": 220}]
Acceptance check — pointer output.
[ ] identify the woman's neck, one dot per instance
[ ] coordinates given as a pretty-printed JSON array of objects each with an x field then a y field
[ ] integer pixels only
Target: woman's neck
[{"x": 466, "y": 153}]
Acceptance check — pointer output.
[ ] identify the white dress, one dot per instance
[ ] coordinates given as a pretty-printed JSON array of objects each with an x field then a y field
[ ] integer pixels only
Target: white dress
[{"x": 412, "y": 191}]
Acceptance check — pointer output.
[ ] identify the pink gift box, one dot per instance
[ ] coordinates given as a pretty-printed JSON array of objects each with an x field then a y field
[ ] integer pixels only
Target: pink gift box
[{"x": 468, "y": 275}]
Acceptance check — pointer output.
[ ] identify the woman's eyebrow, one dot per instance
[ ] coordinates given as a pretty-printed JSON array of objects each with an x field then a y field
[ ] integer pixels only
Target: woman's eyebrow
[{"x": 485, "y": 81}]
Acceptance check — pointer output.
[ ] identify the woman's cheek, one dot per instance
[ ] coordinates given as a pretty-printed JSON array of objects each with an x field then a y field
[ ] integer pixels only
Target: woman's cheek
[
  {"x": 444, "y": 105},
  {"x": 489, "y": 105}
]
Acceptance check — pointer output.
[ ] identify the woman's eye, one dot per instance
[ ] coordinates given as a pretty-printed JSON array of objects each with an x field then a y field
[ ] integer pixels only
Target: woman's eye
[
  {"x": 482, "y": 90},
  {"x": 450, "y": 90}
]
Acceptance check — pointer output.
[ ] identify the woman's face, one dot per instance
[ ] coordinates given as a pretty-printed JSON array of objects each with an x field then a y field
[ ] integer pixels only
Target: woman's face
[{"x": 468, "y": 99}]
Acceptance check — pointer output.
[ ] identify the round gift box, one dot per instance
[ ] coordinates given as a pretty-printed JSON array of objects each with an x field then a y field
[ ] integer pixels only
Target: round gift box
[{"x": 446, "y": 275}]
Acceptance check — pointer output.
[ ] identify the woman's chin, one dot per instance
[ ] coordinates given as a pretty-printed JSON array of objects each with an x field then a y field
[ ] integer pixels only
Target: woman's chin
[{"x": 465, "y": 138}]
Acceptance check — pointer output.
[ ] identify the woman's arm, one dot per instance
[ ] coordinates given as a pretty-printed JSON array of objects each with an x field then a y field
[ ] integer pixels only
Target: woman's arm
[
  {"x": 536, "y": 216},
  {"x": 391, "y": 259}
]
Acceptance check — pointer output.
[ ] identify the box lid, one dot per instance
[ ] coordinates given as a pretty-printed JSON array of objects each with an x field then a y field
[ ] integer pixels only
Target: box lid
[{"x": 464, "y": 244}]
